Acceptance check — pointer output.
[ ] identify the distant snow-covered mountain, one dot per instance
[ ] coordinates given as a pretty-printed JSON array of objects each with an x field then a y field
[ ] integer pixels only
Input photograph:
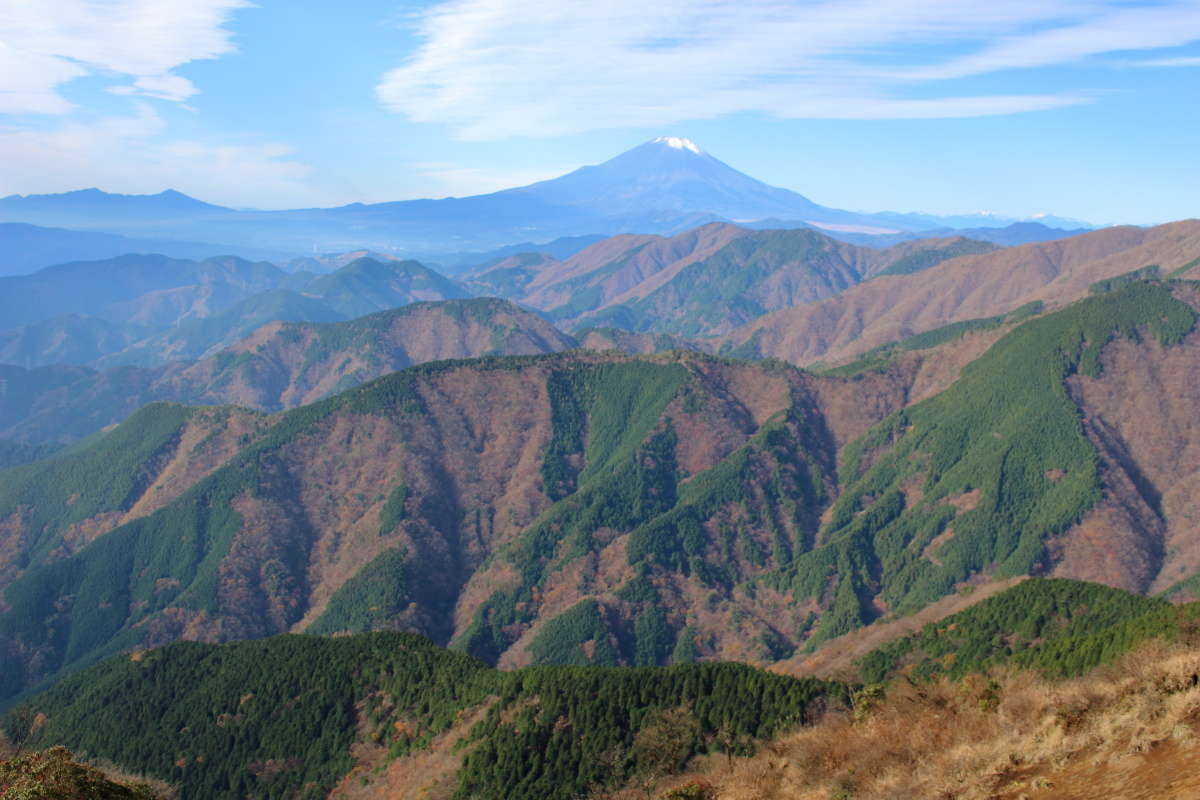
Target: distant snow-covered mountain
[{"x": 665, "y": 186}]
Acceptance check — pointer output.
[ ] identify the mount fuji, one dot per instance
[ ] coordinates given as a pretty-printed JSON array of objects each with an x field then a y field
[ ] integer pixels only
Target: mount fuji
[
  {"x": 663, "y": 186},
  {"x": 671, "y": 175}
]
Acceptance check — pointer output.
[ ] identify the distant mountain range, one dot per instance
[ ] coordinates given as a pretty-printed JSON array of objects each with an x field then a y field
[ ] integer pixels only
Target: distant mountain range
[
  {"x": 280, "y": 365},
  {"x": 295, "y": 341},
  {"x": 664, "y": 186},
  {"x": 1010, "y": 235},
  {"x": 978, "y": 286},
  {"x": 705, "y": 281},
  {"x": 148, "y": 309},
  {"x": 26, "y": 248}
]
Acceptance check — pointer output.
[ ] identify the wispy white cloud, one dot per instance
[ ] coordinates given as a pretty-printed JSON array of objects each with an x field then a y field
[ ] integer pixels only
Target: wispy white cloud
[
  {"x": 130, "y": 153},
  {"x": 164, "y": 87},
  {"x": 1121, "y": 28},
  {"x": 496, "y": 68},
  {"x": 1178, "y": 61},
  {"x": 46, "y": 44},
  {"x": 137, "y": 45}
]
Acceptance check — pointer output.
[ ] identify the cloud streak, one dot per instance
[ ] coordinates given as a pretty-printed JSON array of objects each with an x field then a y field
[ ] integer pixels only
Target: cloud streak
[
  {"x": 492, "y": 69},
  {"x": 44, "y": 45},
  {"x": 1178, "y": 61}
]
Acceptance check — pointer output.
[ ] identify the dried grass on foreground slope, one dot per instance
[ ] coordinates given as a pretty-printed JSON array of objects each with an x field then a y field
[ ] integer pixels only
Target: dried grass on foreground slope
[{"x": 1125, "y": 732}]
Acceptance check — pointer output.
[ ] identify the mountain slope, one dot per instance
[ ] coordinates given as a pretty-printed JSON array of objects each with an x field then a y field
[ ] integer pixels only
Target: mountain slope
[
  {"x": 593, "y": 508},
  {"x": 510, "y": 276},
  {"x": 593, "y": 277},
  {"x": 361, "y": 287},
  {"x": 104, "y": 288},
  {"x": 894, "y": 307},
  {"x": 365, "y": 285},
  {"x": 296, "y": 714},
  {"x": 66, "y": 339},
  {"x": 707, "y": 280},
  {"x": 389, "y": 715},
  {"x": 997, "y": 470},
  {"x": 672, "y": 174},
  {"x": 195, "y": 338},
  {"x": 449, "y": 467},
  {"x": 1125, "y": 732},
  {"x": 763, "y": 272},
  {"x": 1065, "y": 628},
  {"x": 280, "y": 365},
  {"x": 188, "y": 310},
  {"x": 310, "y": 361}
]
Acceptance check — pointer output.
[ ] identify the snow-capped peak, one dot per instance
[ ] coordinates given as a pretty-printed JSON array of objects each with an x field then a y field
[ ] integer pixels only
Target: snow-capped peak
[{"x": 678, "y": 143}]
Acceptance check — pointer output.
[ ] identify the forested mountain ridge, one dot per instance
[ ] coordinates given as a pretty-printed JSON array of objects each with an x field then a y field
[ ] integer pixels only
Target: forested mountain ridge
[
  {"x": 142, "y": 289},
  {"x": 67, "y": 339},
  {"x": 295, "y": 714},
  {"x": 704, "y": 281},
  {"x": 147, "y": 309},
  {"x": 281, "y": 365},
  {"x": 441, "y": 467},
  {"x": 577, "y": 508},
  {"x": 390, "y": 715},
  {"x": 975, "y": 286}
]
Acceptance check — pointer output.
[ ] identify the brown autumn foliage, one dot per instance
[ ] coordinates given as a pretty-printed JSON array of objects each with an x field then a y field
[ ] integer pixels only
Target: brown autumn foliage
[
  {"x": 54, "y": 774},
  {"x": 1127, "y": 731}
]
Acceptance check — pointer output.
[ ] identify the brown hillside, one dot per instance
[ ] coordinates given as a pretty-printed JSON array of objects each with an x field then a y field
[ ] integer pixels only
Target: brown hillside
[
  {"x": 635, "y": 343},
  {"x": 735, "y": 275},
  {"x": 621, "y": 263},
  {"x": 970, "y": 287},
  {"x": 472, "y": 465},
  {"x": 279, "y": 366},
  {"x": 285, "y": 365},
  {"x": 1129, "y": 732},
  {"x": 1143, "y": 415},
  {"x": 896, "y": 255}
]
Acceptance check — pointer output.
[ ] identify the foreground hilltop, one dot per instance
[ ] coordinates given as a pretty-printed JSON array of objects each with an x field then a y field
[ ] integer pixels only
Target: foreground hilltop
[
  {"x": 391, "y": 715},
  {"x": 1002, "y": 700}
]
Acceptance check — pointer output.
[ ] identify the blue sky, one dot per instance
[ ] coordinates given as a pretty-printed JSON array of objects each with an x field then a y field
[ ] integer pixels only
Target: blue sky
[{"x": 1083, "y": 108}]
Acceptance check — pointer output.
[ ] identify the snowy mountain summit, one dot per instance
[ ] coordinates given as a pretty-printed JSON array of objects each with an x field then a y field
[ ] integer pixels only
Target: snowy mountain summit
[{"x": 678, "y": 143}]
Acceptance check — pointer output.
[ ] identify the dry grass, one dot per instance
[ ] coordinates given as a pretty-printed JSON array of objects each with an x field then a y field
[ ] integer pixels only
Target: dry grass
[
  {"x": 161, "y": 790},
  {"x": 1008, "y": 735},
  {"x": 116, "y": 774}
]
